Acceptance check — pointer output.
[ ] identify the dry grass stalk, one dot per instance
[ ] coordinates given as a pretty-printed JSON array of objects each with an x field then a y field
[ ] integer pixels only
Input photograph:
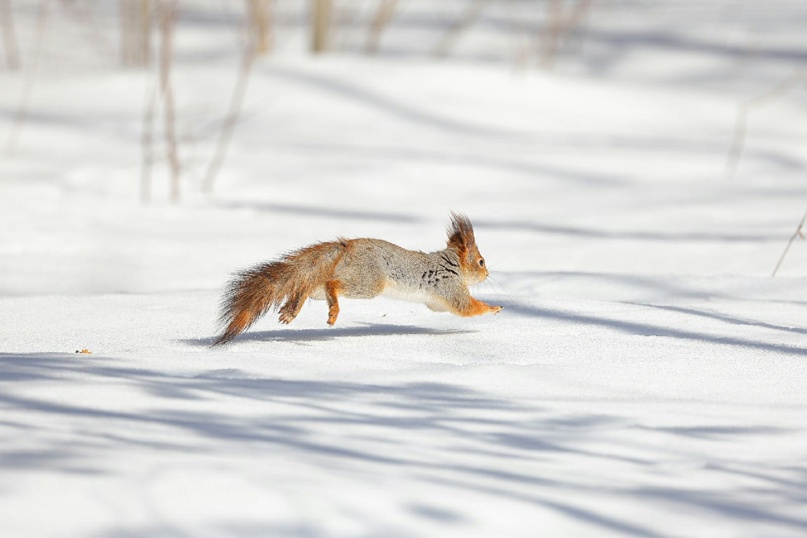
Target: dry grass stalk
[
  {"x": 135, "y": 32},
  {"x": 746, "y": 107},
  {"x": 738, "y": 143},
  {"x": 320, "y": 25},
  {"x": 28, "y": 85},
  {"x": 466, "y": 21},
  {"x": 167, "y": 21},
  {"x": 236, "y": 104},
  {"x": 9, "y": 37},
  {"x": 147, "y": 146},
  {"x": 383, "y": 16},
  {"x": 797, "y": 233},
  {"x": 259, "y": 24},
  {"x": 561, "y": 23}
]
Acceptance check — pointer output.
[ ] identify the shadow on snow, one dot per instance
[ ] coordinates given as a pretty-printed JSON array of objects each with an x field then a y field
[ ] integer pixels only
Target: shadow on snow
[
  {"x": 441, "y": 434},
  {"x": 330, "y": 333}
]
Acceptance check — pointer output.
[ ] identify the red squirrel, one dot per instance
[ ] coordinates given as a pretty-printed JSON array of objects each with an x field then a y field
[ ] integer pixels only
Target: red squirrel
[{"x": 359, "y": 269}]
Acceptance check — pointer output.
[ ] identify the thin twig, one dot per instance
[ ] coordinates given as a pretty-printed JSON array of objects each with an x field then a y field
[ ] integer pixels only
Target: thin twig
[
  {"x": 168, "y": 14},
  {"x": 518, "y": 30},
  {"x": 259, "y": 25},
  {"x": 383, "y": 16},
  {"x": 345, "y": 19},
  {"x": 28, "y": 85},
  {"x": 135, "y": 33},
  {"x": 236, "y": 104},
  {"x": 738, "y": 143},
  {"x": 561, "y": 22},
  {"x": 88, "y": 24},
  {"x": 147, "y": 145},
  {"x": 746, "y": 107},
  {"x": 552, "y": 32},
  {"x": 796, "y": 234},
  {"x": 467, "y": 20},
  {"x": 321, "y": 25},
  {"x": 9, "y": 38}
]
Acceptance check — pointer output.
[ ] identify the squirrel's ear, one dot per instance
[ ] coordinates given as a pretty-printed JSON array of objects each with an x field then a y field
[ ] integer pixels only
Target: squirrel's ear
[{"x": 461, "y": 233}]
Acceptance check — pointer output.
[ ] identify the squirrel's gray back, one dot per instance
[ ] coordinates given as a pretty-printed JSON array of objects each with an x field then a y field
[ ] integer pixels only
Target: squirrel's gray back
[{"x": 375, "y": 266}]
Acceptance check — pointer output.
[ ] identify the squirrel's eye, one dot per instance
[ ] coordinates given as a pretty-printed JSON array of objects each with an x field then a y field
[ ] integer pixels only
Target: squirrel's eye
[{"x": 481, "y": 262}]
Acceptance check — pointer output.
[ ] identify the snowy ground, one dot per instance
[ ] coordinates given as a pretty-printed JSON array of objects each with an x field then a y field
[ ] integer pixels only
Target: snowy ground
[{"x": 646, "y": 377}]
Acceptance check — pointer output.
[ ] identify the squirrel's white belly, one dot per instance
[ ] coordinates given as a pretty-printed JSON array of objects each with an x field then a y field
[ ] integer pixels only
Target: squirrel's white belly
[{"x": 395, "y": 291}]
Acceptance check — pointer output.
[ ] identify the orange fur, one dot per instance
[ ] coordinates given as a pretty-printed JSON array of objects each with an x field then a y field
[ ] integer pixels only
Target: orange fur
[
  {"x": 475, "y": 307},
  {"x": 461, "y": 235},
  {"x": 264, "y": 287},
  {"x": 332, "y": 289}
]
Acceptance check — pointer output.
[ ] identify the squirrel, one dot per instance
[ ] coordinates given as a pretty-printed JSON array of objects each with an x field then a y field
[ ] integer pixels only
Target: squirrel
[{"x": 359, "y": 269}]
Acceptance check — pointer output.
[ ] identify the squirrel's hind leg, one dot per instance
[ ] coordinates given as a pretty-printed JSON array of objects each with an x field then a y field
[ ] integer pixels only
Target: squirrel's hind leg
[
  {"x": 332, "y": 289},
  {"x": 292, "y": 307}
]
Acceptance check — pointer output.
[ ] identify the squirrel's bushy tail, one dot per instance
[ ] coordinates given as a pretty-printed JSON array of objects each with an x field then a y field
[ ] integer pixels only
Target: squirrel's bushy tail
[{"x": 288, "y": 281}]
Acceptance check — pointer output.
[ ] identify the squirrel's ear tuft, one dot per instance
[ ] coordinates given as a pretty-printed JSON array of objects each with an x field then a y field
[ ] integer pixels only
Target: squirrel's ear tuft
[{"x": 461, "y": 233}]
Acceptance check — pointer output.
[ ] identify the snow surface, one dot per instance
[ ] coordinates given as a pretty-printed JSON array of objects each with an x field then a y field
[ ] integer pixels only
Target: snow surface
[{"x": 646, "y": 377}]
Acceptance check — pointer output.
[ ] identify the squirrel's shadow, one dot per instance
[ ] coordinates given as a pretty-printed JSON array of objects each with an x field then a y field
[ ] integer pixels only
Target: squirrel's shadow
[{"x": 316, "y": 335}]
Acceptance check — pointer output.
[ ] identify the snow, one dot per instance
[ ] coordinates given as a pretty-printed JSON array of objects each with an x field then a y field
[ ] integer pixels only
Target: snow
[{"x": 645, "y": 378}]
